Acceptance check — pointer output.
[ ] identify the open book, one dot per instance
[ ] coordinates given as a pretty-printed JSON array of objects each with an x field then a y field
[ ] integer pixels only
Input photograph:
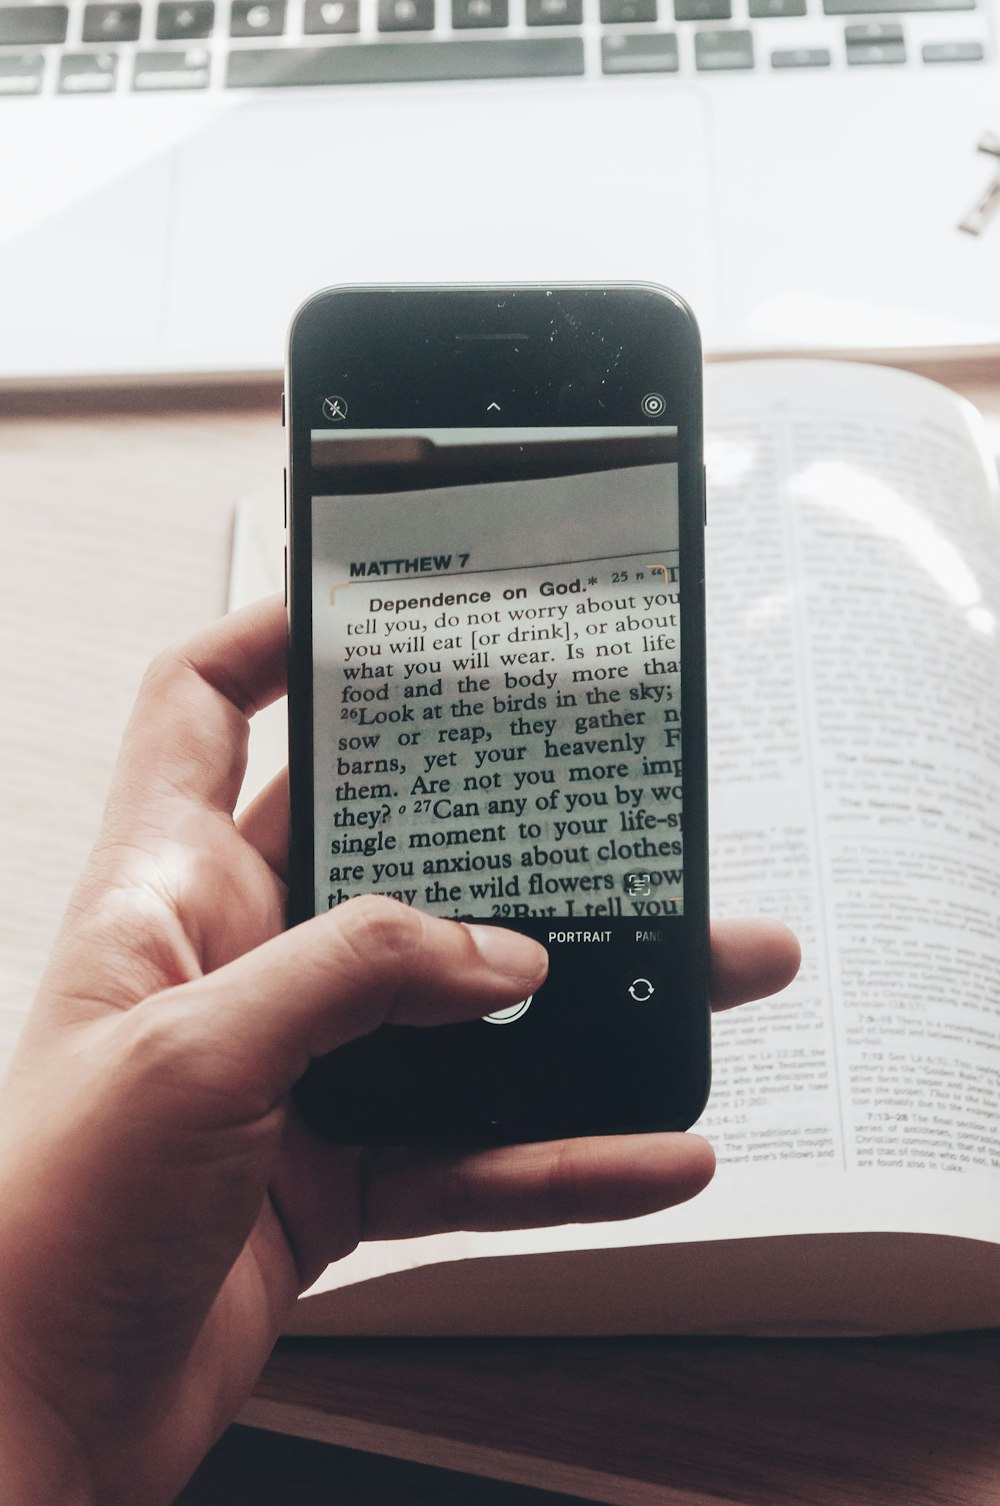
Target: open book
[{"x": 854, "y": 651}]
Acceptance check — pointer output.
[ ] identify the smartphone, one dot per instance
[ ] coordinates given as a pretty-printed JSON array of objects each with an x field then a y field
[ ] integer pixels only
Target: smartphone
[{"x": 497, "y": 689}]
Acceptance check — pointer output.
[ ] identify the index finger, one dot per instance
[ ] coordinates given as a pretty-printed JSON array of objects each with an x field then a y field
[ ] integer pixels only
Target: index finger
[{"x": 187, "y": 735}]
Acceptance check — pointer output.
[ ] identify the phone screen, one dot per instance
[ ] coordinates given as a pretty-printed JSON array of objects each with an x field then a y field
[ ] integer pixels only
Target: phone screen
[
  {"x": 497, "y": 696},
  {"x": 497, "y": 723}
]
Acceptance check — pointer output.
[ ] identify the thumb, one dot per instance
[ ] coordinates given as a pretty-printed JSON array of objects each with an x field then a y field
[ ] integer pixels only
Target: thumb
[{"x": 367, "y": 962}]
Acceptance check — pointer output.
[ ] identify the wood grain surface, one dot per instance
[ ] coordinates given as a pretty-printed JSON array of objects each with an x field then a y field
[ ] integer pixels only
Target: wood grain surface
[
  {"x": 682, "y": 1422},
  {"x": 116, "y": 511}
]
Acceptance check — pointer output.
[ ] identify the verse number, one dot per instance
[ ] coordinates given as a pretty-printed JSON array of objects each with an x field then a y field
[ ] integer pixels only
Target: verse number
[{"x": 618, "y": 576}]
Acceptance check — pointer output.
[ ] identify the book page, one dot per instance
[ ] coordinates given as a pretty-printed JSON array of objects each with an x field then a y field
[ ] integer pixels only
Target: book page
[
  {"x": 854, "y": 600},
  {"x": 499, "y": 733}
]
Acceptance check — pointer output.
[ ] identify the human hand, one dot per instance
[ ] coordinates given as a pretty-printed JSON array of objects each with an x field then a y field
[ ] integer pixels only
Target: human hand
[{"x": 162, "y": 1206}]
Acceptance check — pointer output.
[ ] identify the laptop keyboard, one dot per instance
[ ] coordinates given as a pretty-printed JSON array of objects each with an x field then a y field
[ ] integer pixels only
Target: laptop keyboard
[{"x": 183, "y": 45}]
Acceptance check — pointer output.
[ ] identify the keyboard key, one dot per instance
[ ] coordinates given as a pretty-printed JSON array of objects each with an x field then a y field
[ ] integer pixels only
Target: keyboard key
[
  {"x": 184, "y": 20},
  {"x": 953, "y": 52},
  {"x": 257, "y": 18},
  {"x": 111, "y": 23},
  {"x": 801, "y": 57},
  {"x": 702, "y": 10},
  {"x": 21, "y": 73},
  {"x": 716, "y": 50},
  {"x": 404, "y": 62},
  {"x": 406, "y": 15},
  {"x": 891, "y": 7},
  {"x": 88, "y": 73},
  {"x": 171, "y": 70},
  {"x": 554, "y": 12},
  {"x": 647, "y": 53},
  {"x": 761, "y": 8},
  {"x": 874, "y": 44},
  {"x": 32, "y": 24},
  {"x": 468, "y": 13},
  {"x": 876, "y": 53},
  {"x": 615, "y": 11},
  {"x": 865, "y": 33},
  {"x": 331, "y": 15}
]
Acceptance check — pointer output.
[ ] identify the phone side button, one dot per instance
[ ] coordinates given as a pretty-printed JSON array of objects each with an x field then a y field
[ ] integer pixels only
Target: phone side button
[
  {"x": 282, "y": 410},
  {"x": 286, "y": 575},
  {"x": 284, "y": 488},
  {"x": 704, "y": 494}
]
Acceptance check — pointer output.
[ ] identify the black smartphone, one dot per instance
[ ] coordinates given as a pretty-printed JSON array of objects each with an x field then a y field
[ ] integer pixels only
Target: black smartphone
[{"x": 497, "y": 689}]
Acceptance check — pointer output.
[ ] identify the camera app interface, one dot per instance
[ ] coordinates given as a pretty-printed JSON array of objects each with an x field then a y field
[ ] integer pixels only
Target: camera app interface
[{"x": 496, "y": 696}]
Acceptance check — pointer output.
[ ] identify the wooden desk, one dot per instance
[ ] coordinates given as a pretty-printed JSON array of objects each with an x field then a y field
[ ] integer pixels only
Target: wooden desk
[{"x": 117, "y": 513}]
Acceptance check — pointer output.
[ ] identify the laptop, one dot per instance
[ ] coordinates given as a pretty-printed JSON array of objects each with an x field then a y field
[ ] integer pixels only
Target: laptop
[{"x": 176, "y": 175}]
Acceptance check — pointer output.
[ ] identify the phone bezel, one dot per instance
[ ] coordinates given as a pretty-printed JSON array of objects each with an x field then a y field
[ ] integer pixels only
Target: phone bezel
[{"x": 398, "y": 335}]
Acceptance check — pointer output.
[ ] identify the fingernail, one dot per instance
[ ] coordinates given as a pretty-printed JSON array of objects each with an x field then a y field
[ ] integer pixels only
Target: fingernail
[{"x": 508, "y": 952}]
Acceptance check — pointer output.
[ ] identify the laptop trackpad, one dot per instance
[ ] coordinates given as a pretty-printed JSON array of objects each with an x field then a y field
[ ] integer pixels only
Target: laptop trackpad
[{"x": 281, "y": 196}]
